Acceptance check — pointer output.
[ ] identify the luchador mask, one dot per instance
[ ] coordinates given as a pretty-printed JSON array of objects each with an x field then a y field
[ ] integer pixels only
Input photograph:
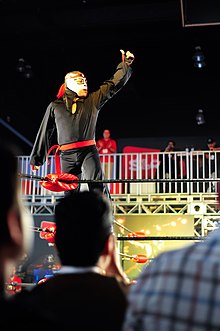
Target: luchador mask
[{"x": 76, "y": 81}]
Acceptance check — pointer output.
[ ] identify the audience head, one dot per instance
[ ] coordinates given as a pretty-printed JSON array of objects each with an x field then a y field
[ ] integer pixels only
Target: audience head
[
  {"x": 83, "y": 224},
  {"x": 15, "y": 237},
  {"x": 211, "y": 143},
  {"x": 171, "y": 144},
  {"x": 106, "y": 134}
]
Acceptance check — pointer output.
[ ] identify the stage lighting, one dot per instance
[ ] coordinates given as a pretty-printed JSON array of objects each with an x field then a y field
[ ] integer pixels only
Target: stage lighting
[
  {"x": 24, "y": 69},
  {"x": 199, "y": 58},
  {"x": 28, "y": 71},
  {"x": 200, "y": 119},
  {"x": 21, "y": 65}
]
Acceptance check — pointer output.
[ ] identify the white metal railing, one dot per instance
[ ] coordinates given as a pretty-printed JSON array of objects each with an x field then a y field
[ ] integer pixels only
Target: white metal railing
[{"x": 141, "y": 173}]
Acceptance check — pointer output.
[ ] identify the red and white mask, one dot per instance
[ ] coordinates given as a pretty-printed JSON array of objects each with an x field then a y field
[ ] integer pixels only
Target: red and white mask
[{"x": 76, "y": 81}]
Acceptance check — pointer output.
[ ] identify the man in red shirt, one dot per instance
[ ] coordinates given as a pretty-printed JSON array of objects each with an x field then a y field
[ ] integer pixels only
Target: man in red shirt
[{"x": 106, "y": 145}]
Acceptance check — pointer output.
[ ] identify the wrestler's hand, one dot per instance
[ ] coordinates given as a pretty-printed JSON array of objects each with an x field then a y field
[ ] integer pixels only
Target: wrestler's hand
[
  {"x": 34, "y": 168},
  {"x": 127, "y": 57}
]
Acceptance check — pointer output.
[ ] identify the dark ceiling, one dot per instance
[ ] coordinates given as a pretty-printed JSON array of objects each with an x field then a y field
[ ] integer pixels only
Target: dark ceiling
[
  {"x": 24, "y": 18},
  {"x": 165, "y": 90}
]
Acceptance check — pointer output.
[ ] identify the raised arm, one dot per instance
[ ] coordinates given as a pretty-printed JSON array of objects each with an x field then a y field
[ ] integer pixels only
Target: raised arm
[{"x": 113, "y": 85}]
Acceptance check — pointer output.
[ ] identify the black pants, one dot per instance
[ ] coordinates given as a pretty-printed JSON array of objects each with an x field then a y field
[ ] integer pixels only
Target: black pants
[{"x": 84, "y": 163}]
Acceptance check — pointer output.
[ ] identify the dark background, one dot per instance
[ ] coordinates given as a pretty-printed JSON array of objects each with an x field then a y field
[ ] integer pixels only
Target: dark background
[{"x": 163, "y": 95}]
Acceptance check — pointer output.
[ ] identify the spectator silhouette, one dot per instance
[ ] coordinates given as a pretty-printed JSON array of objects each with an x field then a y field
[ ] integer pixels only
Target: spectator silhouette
[
  {"x": 15, "y": 238},
  {"x": 169, "y": 167},
  {"x": 90, "y": 289},
  {"x": 178, "y": 290},
  {"x": 212, "y": 164}
]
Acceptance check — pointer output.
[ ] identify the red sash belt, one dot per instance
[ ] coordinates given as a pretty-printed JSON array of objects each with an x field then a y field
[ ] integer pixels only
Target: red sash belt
[
  {"x": 78, "y": 144},
  {"x": 66, "y": 147}
]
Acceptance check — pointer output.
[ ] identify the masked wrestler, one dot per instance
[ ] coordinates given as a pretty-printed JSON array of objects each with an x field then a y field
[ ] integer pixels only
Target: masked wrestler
[{"x": 73, "y": 117}]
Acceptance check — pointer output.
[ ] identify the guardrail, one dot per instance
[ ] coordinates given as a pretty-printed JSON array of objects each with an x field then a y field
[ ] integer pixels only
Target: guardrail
[{"x": 141, "y": 173}]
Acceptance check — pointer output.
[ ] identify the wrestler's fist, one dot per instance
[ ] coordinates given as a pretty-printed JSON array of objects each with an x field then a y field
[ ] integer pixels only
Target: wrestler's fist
[
  {"x": 34, "y": 168},
  {"x": 127, "y": 57}
]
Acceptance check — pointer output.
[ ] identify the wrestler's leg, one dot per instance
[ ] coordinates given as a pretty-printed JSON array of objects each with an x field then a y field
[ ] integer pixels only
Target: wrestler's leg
[
  {"x": 92, "y": 169},
  {"x": 70, "y": 163}
]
